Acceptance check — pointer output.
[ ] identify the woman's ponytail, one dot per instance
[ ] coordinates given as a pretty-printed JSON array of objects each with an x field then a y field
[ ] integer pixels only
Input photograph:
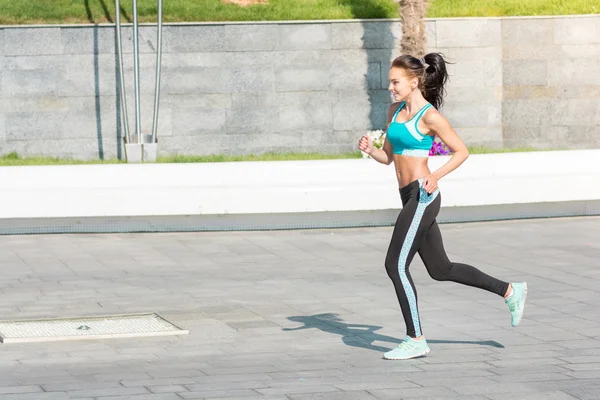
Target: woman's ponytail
[{"x": 432, "y": 74}]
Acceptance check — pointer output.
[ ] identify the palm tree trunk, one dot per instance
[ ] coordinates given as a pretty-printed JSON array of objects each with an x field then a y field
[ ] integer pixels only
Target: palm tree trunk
[{"x": 414, "y": 37}]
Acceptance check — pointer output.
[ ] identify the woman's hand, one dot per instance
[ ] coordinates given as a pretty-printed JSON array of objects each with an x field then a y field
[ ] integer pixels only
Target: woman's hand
[
  {"x": 430, "y": 183},
  {"x": 365, "y": 144}
]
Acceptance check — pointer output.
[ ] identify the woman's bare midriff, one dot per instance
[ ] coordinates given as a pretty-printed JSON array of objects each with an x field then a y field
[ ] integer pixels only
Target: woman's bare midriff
[{"x": 409, "y": 169}]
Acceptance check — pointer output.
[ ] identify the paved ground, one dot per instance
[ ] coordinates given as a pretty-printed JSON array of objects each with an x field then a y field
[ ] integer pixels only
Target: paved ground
[{"x": 305, "y": 315}]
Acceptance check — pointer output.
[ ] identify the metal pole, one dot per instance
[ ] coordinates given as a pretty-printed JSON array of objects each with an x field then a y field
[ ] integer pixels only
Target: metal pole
[
  {"x": 125, "y": 119},
  {"x": 158, "y": 57},
  {"x": 136, "y": 72}
]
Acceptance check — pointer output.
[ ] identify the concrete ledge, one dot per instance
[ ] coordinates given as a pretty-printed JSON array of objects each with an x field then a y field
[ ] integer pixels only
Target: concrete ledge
[
  {"x": 284, "y": 221},
  {"x": 287, "y": 194}
]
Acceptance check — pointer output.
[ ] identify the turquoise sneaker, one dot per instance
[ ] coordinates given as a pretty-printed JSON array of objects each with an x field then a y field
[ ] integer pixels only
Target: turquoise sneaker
[
  {"x": 409, "y": 348},
  {"x": 516, "y": 302}
]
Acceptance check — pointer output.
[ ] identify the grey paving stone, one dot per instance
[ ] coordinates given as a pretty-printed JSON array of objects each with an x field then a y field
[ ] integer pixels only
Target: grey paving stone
[
  {"x": 308, "y": 320},
  {"x": 123, "y": 391},
  {"x": 228, "y": 385},
  {"x": 20, "y": 389},
  {"x": 582, "y": 359},
  {"x": 346, "y": 395},
  {"x": 229, "y": 378},
  {"x": 217, "y": 393},
  {"x": 493, "y": 388},
  {"x": 595, "y": 374},
  {"x": 442, "y": 380},
  {"x": 458, "y": 367},
  {"x": 450, "y": 397},
  {"x": 70, "y": 386},
  {"x": 298, "y": 390},
  {"x": 582, "y": 367},
  {"x": 250, "y": 398},
  {"x": 163, "y": 396},
  {"x": 524, "y": 363},
  {"x": 530, "y": 377},
  {"x": 412, "y": 393},
  {"x": 166, "y": 389},
  {"x": 37, "y": 396},
  {"x": 389, "y": 383},
  {"x": 533, "y": 396}
]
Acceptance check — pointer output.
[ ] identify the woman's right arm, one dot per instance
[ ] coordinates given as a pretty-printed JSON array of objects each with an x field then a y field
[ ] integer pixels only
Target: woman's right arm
[{"x": 385, "y": 155}]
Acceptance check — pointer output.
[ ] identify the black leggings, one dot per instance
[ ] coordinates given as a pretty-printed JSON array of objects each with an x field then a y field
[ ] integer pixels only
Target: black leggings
[{"x": 417, "y": 231}]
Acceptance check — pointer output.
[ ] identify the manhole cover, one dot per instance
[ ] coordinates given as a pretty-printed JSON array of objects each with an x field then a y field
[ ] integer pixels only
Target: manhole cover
[{"x": 104, "y": 327}]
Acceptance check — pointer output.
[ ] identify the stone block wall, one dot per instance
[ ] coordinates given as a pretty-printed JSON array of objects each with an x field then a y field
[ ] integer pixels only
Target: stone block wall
[{"x": 244, "y": 88}]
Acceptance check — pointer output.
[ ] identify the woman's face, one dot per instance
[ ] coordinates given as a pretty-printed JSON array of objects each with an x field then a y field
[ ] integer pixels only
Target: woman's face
[{"x": 401, "y": 85}]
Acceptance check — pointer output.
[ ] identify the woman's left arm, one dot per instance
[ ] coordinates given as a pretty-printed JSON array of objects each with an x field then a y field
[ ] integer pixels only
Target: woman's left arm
[{"x": 438, "y": 124}]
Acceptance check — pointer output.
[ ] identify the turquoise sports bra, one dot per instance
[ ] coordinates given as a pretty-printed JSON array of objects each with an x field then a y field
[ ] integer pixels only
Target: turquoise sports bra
[{"x": 405, "y": 137}]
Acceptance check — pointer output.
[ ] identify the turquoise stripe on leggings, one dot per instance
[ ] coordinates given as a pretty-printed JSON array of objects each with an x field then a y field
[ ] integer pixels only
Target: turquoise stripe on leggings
[{"x": 425, "y": 199}]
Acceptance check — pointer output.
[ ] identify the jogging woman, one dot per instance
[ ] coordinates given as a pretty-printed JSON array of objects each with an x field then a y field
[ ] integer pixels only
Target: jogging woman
[{"x": 417, "y": 86}]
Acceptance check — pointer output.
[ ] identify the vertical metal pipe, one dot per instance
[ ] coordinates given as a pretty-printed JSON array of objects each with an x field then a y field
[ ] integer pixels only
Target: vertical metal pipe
[
  {"x": 158, "y": 62},
  {"x": 136, "y": 71},
  {"x": 124, "y": 119}
]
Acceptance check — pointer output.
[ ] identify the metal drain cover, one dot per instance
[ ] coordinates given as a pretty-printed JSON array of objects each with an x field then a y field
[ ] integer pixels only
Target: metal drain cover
[{"x": 103, "y": 327}]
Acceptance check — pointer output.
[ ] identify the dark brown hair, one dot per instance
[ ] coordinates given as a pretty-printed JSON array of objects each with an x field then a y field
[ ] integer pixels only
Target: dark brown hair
[{"x": 432, "y": 74}]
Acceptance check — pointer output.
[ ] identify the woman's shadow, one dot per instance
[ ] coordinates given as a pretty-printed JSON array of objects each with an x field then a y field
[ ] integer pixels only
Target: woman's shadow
[{"x": 363, "y": 336}]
